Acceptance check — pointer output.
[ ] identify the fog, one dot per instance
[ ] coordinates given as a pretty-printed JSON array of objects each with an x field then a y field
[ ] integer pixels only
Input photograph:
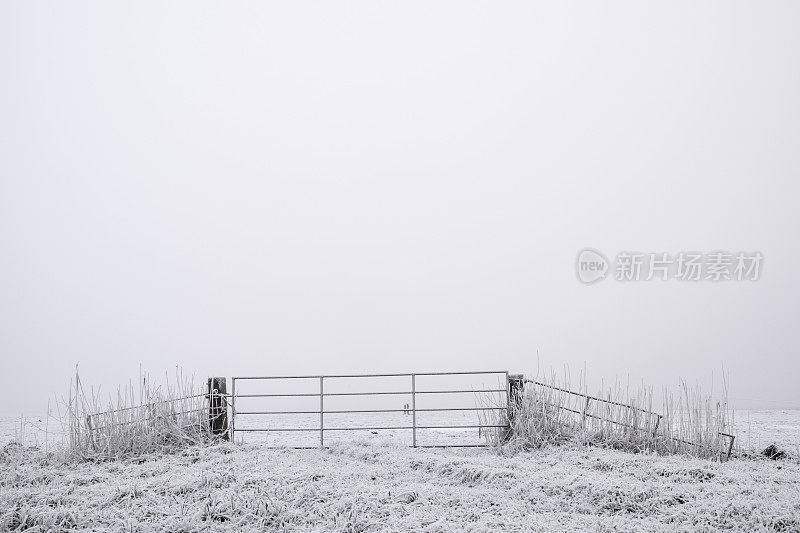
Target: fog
[{"x": 269, "y": 188}]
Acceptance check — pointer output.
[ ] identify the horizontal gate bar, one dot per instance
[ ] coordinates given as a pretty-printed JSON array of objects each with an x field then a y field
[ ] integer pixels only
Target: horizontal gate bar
[
  {"x": 375, "y": 375},
  {"x": 458, "y": 391},
  {"x": 370, "y": 393},
  {"x": 324, "y": 429},
  {"x": 296, "y": 394},
  {"x": 365, "y": 393},
  {"x": 453, "y": 445},
  {"x": 279, "y": 412},
  {"x": 463, "y": 409},
  {"x": 461, "y": 427},
  {"x": 342, "y": 412},
  {"x": 367, "y": 428},
  {"x": 364, "y": 428},
  {"x": 418, "y": 446},
  {"x": 277, "y": 429}
]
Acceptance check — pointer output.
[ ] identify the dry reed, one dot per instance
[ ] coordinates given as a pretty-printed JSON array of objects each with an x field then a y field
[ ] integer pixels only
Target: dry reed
[
  {"x": 551, "y": 412},
  {"x": 161, "y": 418}
]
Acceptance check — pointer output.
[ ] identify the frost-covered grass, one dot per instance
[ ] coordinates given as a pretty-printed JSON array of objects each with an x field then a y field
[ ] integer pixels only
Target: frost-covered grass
[
  {"x": 372, "y": 486},
  {"x": 161, "y": 418},
  {"x": 549, "y": 412}
]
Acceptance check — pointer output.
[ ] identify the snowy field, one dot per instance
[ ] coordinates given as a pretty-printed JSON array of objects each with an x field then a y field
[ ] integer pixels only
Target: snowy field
[
  {"x": 379, "y": 486},
  {"x": 759, "y": 429},
  {"x": 372, "y": 482}
]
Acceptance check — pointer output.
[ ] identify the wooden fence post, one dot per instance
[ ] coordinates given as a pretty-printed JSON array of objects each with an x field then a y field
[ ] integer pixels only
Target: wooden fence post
[
  {"x": 218, "y": 407},
  {"x": 516, "y": 390}
]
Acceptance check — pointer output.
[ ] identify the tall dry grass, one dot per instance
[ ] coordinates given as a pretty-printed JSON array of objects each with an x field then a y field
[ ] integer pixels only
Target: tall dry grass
[
  {"x": 551, "y": 411},
  {"x": 155, "y": 418}
]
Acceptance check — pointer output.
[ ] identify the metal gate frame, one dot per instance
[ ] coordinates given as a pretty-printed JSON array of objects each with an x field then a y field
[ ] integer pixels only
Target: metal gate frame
[{"x": 322, "y": 394}]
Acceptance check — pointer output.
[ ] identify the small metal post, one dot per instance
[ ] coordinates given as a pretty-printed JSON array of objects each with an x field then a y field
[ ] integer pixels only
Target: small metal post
[
  {"x": 233, "y": 410},
  {"x": 321, "y": 410},
  {"x": 730, "y": 445},
  {"x": 585, "y": 409},
  {"x": 414, "y": 410},
  {"x": 655, "y": 429}
]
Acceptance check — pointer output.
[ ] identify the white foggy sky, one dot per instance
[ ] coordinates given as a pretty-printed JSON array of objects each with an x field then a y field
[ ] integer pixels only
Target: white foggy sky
[{"x": 265, "y": 188}]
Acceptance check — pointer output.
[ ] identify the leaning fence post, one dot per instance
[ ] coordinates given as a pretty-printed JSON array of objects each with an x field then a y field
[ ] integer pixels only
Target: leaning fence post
[
  {"x": 217, "y": 407},
  {"x": 585, "y": 410},
  {"x": 730, "y": 444},
  {"x": 89, "y": 432}
]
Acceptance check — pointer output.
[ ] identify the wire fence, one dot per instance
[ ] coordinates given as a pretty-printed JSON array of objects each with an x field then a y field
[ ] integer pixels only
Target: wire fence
[
  {"x": 584, "y": 412},
  {"x": 207, "y": 409}
]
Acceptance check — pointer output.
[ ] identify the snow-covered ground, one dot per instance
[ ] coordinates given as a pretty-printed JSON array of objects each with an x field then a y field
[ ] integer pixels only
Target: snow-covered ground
[
  {"x": 758, "y": 429},
  {"x": 371, "y": 481},
  {"x": 375, "y": 485}
]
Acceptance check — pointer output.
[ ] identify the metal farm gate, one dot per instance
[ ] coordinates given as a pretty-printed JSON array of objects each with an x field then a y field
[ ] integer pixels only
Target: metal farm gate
[{"x": 439, "y": 391}]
